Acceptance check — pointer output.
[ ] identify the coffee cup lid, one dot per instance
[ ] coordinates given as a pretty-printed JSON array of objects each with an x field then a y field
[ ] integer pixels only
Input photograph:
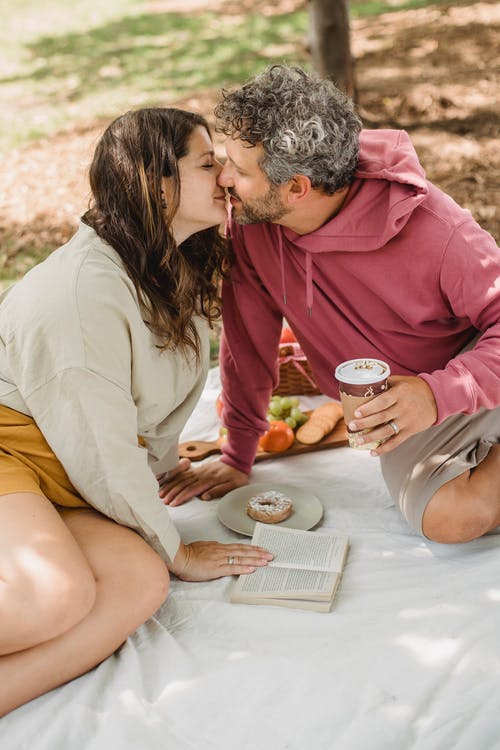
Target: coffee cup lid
[{"x": 362, "y": 371}]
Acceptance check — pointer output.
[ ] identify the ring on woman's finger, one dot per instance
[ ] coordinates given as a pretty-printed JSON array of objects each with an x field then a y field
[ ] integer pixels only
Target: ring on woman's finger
[
  {"x": 230, "y": 560},
  {"x": 392, "y": 424}
]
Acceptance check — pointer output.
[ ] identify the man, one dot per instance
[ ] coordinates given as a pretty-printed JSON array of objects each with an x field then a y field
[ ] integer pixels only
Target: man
[{"x": 338, "y": 230}]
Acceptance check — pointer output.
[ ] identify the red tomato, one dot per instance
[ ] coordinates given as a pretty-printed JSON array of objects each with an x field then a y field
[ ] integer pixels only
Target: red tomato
[{"x": 278, "y": 438}]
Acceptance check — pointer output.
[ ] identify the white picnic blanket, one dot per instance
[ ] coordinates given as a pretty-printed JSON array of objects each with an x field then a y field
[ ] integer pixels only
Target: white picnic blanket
[{"x": 408, "y": 659}]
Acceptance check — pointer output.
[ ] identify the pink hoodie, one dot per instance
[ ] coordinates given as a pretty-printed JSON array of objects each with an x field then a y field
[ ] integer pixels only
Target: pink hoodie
[{"x": 402, "y": 274}]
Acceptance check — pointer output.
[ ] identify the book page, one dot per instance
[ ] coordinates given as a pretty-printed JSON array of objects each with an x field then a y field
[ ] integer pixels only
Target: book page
[
  {"x": 307, "y": 550},
  {"x": 287, "y": 582}
]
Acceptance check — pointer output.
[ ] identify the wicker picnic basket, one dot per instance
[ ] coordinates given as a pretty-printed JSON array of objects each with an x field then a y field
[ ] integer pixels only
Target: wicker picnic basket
[{"x": 295, "y": 375}]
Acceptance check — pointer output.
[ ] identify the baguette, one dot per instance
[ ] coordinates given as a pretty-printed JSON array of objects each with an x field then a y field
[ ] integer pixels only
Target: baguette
[{"x": 320, "y": 423}]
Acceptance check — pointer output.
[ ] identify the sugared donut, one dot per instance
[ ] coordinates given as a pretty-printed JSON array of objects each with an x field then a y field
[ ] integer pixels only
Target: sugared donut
[{"x": 269, "y": 507}]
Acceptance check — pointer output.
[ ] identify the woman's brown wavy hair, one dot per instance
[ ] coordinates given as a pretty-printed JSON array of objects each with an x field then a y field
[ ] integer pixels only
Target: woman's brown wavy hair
[{"x": 173, "y": 282}]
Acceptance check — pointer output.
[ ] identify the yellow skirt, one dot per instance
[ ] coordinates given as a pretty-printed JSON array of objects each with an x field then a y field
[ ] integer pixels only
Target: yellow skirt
[{"x": 28, "y": 464}]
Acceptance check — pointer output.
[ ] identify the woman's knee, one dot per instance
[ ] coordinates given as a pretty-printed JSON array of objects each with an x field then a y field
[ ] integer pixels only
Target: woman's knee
[
  {"x": 41, "y": 604},
  {"x": 71, "y": 598}
]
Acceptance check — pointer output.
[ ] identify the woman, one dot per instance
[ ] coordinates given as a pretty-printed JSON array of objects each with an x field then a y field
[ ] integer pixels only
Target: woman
[{"x": 103, "y": 355}]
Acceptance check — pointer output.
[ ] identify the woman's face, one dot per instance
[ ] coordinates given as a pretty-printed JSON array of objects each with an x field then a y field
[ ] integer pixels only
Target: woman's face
[{"x": 202, "y": 201}]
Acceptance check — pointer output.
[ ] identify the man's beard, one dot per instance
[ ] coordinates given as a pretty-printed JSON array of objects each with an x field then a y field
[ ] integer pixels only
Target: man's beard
[{"x": 267, "y": 209}]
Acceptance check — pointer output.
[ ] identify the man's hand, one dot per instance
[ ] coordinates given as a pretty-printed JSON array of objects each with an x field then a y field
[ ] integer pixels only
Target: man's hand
[
  {"x": 184, "y": 463},
  {"x": 211, "y": 480},
  {"x": 409, "y": 404}
]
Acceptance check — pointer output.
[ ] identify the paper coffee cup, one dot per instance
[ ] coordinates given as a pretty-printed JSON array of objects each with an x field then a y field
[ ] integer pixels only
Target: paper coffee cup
[{"x": 359, "y": 381}]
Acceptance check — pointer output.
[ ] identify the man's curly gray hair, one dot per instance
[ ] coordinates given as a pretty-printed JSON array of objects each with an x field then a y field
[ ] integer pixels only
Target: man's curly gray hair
[{"x": 304, "y": 123}]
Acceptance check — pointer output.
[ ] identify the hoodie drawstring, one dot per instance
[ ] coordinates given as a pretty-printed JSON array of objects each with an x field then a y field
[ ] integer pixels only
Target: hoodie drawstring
[
  {"x": 309, "y": 284},
  {"x": 309, "y": 280},
  {"x": 282, "y": 266}
]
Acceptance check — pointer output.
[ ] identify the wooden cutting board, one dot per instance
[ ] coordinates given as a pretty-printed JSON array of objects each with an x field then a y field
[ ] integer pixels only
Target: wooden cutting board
[{"x": 197, "y": 450}]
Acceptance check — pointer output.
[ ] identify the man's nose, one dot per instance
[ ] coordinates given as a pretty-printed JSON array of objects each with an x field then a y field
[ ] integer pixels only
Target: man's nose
[{"x": 224, "y": 178}]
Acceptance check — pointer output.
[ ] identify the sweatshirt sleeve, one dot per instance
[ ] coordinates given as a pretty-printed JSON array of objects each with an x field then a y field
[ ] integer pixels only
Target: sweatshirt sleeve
[
  {"x": 470, "y": 281},
  {"x": 93, "y": 432},
  {"x": 249, "y": 355}
]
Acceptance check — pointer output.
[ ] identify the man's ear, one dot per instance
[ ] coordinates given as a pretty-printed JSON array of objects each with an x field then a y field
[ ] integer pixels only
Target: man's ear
[{"x": 298, "y": 187}]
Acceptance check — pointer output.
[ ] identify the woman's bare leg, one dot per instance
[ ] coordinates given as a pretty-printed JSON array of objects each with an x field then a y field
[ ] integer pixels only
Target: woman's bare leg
[
  {"x": 124, "y": 583},
  {"x": 46, "y": 584}
]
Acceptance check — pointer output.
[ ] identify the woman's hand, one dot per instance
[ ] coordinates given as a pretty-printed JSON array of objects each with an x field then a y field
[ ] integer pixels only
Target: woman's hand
[
  {"x": 211, "y": 480},
  {"x": 204, "y": 561},
  {"x": 406, "y": 408}
]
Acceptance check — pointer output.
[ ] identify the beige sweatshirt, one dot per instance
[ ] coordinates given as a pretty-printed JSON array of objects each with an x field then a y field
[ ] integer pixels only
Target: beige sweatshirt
[{"x": 76, "y": 355}]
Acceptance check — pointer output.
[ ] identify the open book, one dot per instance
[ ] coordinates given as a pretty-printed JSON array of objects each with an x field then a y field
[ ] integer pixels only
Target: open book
[{"x": 305, "y": 572}]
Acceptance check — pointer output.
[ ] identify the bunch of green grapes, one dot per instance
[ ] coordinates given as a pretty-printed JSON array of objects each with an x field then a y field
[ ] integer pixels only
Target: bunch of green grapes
[{"x": 286, "y": 409}]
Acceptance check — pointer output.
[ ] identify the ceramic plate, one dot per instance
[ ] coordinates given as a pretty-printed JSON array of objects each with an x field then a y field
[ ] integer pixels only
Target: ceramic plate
[{"x": 307, "y": 509}]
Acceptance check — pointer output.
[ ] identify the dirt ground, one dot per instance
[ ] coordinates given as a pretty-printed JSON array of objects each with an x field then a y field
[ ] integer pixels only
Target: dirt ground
[{"x": 432, "y": 71}]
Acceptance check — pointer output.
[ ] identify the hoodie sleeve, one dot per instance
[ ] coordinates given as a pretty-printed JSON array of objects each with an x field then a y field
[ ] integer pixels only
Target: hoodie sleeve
[
  {"x": 249, "y": 354},
  {"x": 470, "y": 281}
]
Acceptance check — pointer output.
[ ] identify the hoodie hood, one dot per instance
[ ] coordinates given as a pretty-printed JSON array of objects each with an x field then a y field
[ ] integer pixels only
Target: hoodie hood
[{"x": 388, "y": 186}]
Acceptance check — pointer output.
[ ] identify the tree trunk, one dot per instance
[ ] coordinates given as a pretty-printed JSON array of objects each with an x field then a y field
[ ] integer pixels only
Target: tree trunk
[{"x": 330, "y": 42}]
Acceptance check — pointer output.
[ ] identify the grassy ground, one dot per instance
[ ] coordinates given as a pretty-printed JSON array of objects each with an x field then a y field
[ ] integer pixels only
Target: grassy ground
[
  {"x": 62, "y": 65},
  {"x": 68, "y": 68},
  {"x": 65, "y": 63}
]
